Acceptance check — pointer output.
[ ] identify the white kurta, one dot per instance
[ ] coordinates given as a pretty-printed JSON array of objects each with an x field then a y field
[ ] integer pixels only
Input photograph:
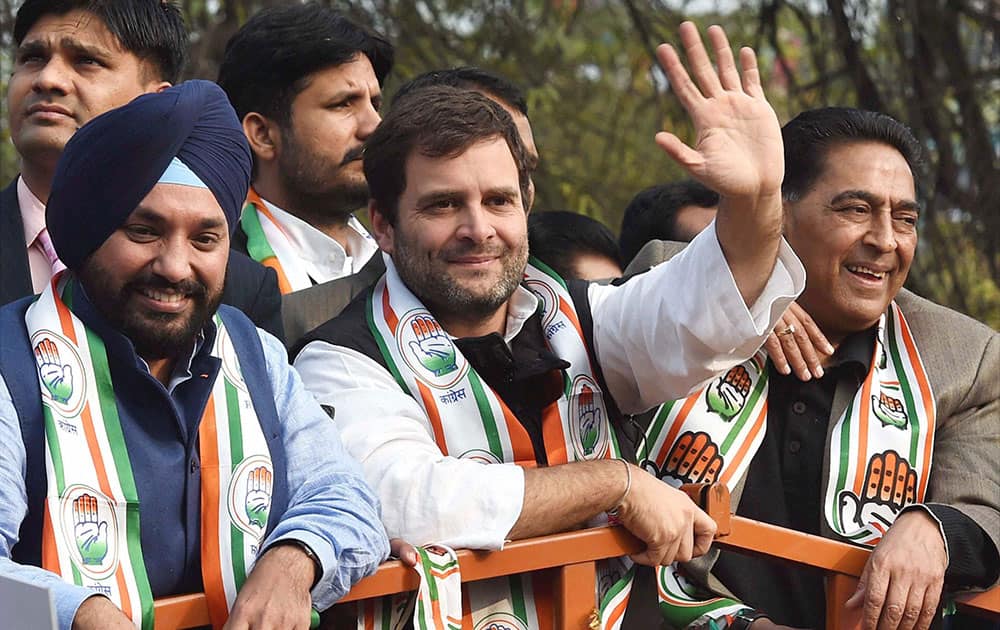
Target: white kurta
[{"x": 657, "y": 337}]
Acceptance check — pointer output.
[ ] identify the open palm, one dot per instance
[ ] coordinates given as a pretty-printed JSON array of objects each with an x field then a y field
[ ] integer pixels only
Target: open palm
[{"x": 738, "y": 150}]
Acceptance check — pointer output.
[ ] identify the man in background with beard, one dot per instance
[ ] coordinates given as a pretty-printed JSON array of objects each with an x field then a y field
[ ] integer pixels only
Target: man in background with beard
[{"x": 306, "y": 83}]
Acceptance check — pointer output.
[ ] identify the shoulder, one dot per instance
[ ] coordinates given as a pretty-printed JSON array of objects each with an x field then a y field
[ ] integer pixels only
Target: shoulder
[
  {"x": 940, "y": 326},
  {"x": 348, "y": 329}
]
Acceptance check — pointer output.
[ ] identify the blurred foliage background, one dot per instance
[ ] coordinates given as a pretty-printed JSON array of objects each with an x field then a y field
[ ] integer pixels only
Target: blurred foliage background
[{"x": 596, "y": 97}]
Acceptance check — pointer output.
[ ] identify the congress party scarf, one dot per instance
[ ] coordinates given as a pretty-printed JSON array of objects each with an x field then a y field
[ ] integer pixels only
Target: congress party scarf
[
  {"x": 880, "y": 449},
  {"x": 469, "y": 420},
  {"x": 91, "y": 520},
  {"x": 269, "y": 245}
]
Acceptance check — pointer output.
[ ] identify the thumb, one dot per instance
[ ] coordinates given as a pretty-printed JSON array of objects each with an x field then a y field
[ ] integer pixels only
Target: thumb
[
  {"x": 102, "y": 529},
  {"x": 858, "y": 598}
]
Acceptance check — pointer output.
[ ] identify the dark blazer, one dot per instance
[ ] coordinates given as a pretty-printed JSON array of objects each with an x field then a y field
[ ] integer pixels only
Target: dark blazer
[
  {"x": 250, "y": 287},
  {"x": 301, "y": 311}
]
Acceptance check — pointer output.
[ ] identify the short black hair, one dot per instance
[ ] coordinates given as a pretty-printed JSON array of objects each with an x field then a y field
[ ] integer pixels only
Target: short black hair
[
  {"x": 436, "y": 122},
  {"x": 268, "y": 62},
  {"x": 809, "y": 136},
  {"x": 652, "y": 214},
  {"x": 468, "y": 78},
  {"x": 557, "y": 237},
  {"x": 152, "y": 30}
]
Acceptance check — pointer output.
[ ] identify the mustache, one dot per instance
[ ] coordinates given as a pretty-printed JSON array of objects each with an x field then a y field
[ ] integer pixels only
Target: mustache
[
  {"x": 353, "y": 155},
  {"x": 187, "y": 288}
]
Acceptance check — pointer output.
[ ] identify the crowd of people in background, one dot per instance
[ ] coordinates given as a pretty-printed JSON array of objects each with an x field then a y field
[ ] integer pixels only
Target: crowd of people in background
[{"x": 216, "y": 377}]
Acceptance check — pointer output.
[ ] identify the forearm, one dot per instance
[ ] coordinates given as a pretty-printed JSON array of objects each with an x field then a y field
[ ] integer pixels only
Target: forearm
[
  {"x": 67, "y": 597},
  {"x": 749, "y": 232},
  {"x": 558, "y": 498},
  {"x": 972, "y": 556}
]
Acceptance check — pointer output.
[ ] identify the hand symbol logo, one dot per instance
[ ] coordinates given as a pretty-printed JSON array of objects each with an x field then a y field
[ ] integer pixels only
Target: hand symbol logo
[
  {"x": 694, "y": 458},
  {"x": 258, "y": 500},
  {"x": 890, "y": 485},
  {"x": 590, "y": 420},
  {"x": 726, "y": 396},
  {"x": 90, "y": 532},
  {"x": 432, "y": 347},
  {"x": 56, "y": 376},
  {"x": 889, "y": 410}
]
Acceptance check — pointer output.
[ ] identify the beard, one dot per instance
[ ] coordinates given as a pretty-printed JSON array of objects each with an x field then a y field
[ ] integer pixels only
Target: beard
[
  {"x": 325, "y": 192},
  {"x": 445, "y": 295},
  {"x": 155, "y": 335}
]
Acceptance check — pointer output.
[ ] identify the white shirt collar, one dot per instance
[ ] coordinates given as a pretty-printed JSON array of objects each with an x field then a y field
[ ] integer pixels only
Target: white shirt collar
[{"x": 322, "y": 257}]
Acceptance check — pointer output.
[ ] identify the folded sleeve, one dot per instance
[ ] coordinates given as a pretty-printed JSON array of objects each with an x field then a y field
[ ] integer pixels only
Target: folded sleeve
[
  {"x": 331, "y": 508},
  {"x": 664, "y": 332}
]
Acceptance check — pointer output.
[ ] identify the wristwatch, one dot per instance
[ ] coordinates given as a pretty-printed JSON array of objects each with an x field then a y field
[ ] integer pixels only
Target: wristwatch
[{"x": 743, "y": 619}]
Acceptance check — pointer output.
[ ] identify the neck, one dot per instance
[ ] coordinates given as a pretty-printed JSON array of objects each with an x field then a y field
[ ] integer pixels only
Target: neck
[
  {"x": 161, "y": 369},
  {"x": 313, "y": 210},
  {"x": 478, "y": 327},
  {"x": 38, "y": 180}
]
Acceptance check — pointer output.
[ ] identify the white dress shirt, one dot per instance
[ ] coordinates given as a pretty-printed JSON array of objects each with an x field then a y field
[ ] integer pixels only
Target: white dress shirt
[
  {"x": 321, "y": 257},
  {"x": 657, "y": 337}
]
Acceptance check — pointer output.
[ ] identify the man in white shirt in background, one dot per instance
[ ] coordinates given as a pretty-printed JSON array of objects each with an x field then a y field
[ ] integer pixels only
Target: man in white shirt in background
[
  {"x": 306, "y": 82},
  {"x": 466, "y": 354}
]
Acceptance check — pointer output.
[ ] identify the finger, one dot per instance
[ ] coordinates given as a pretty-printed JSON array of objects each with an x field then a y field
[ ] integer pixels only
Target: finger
[
  {"x": 698, "y": 60},
  {"x": 819, "y": 340},
  {"x": 912, "y": 608},
  {"x": 692, "y": 455},
  {"x": 680, "y": 83},
  {"x": 777, "y": 354},
  {"x": 899, "y": 488},
  {"x": 689, "y": 159},
  {"x": 751, "y": 74},
  {"x": 928, "y": 611},
  {"x": 404, "y": 551},
  {"x": 874, "y": 478},
  {"x": 704, "y": 533},
  {"x": 728, "y": 75},
  {"x": 875, "y": 585},
  {"x": 893, "y": 605},
  {"x": 888, "y": 475},
  {"x": 804, "y": 344},
  {"x": 685, "y": 546},
  {"x": 790, "y": 346}
]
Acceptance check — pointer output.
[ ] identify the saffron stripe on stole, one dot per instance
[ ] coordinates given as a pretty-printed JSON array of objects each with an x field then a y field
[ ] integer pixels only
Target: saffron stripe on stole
[
  {"x": 433, "y": 415},
  {"x": 678, "y": 422},
  {"x": 864, "y": 413},
  {"x": 211, "y": 569},
  {"x": 927, "y": 398},
  {"x": 102, "y": 474},
  {"x": 126, "y": 481},
  {"x": 373, "y": 327},
  {"x": 553, "y": 435},
  {"x": 524, "y": 451},
  {"x": 758, "y": 425},
  {"x": 744, "y": 416},
  {"x": 257, "y": 244}
]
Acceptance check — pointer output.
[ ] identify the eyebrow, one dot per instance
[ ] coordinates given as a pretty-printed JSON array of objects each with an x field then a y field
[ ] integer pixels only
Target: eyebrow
[
  {"x": 70, "y": 43},
  {"x": 873, "y": 200},
  {"x": 145, "y": 213}
]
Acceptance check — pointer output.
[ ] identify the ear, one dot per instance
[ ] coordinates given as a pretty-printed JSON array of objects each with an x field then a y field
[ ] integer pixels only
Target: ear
[
  {"x": 529, "y": 203},
  {"x": 382, "y": 230},
  {"x": 162, "y": 85},
  {"x": 263, "y": 135}
]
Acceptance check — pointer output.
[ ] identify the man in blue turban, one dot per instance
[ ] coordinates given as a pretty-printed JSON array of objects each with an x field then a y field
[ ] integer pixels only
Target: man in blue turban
[{"x": 161, "y": 444}]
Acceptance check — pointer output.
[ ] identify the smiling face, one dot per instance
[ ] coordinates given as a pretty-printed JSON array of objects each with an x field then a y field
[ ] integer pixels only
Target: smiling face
[
  {"x": 460, "y": 240},
  {"x": 319, "y": 155},
  {"x": 855, "y": 233},
  {"x": 68, "y": 69},
  {"x": 158, "y": 278}
]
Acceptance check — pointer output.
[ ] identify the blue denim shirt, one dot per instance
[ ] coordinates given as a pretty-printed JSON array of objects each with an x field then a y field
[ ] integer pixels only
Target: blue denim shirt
[{"x": 330, "y": 507}]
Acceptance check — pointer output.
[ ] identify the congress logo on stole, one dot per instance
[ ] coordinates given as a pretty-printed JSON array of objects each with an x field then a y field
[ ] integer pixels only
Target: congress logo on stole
[
  {"x": 250, "y": 495},
  {"x": 60, "y": 371},
  {"x": 90, "y": 528}
]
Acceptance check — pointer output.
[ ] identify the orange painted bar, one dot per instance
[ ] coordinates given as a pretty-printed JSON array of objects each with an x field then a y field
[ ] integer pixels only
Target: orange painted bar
[{"x": 574, "y": 609}]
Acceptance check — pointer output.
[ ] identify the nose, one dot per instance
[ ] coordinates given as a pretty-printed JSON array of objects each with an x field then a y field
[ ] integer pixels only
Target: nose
[
  {"x": 173, "y": 260},
  {"x": 54, "y": 76},
  {"x": 476, "y": 225},
  {"x": 369, "y": 118},
  {"x": 881, "y": 234}
]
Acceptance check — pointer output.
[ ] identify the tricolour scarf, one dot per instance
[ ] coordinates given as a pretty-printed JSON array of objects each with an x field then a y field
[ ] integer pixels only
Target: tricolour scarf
[
  {"x": 470, "y": 421},
  {"x": 91, "y": 522},
  {"x": 880, "y": 449}
]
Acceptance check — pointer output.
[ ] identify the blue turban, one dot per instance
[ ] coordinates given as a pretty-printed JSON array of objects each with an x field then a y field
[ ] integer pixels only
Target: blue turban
[{"x": 113, "y": 161}]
